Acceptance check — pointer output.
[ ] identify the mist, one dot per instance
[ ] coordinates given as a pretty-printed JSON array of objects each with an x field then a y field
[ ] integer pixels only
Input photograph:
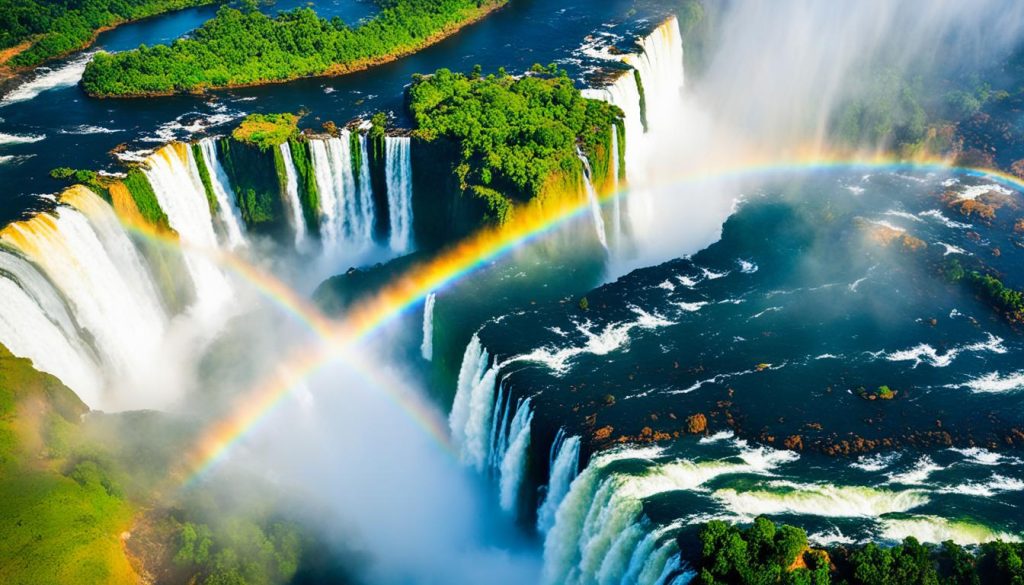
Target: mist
[
  {"x": 772, "y": 87},
  {"x": 348, "y": 454}
]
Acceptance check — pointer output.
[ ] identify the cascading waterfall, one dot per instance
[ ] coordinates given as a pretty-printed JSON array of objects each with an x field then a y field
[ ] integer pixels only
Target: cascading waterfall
[
  {"x": 595, "y": 205},
  {"x": 513, "y": 453},
  {"x": 292, "y": 196},
  {"x": 398, "y": 168},
  {"x": 347, "y": 212},
  {"x": 600, "y": 534},
  {"x": 87, "y": 255},
  {"x": 35, "y": 324},
  {"x": 616, "y": 196},
  {"x": 491, "y": 438},
  {"x": 562, "y": 469},
  {"x": 174, "y": 176},
  {"x": 366, "y": 185},
  {"x": 427, "y": 347},
  {"x": 227, "y": 210},
  {"x": 474, "y": 364},
  {"x": 470, "y": 419},
  {"x": 659, "y": 68},
  {"x": 660, "y": 64}
]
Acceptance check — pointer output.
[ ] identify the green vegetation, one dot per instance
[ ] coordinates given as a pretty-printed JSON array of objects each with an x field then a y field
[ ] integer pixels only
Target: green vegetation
[
  {"x": 204, "y": 176},
  {"x": 917, "y": 115},
  {"x": 145, "y": 199},
  {"x": 357, "y": 154},
  {"x": 54, "y": 28},
  {"x": 377, "y": 134},
  {"x": 881, "y": 393},
  {"x": 1008, "y": 301},
  {"x": 888, "y": 111},
  {"x": 643, "y": 98},
  {"x": 256, "y": 184},
  {"x": 233, "y": 550},
  {"x": 516, "y": 137},
  {"x": 308, "y": 193},
  {"x": 89, "y": 179},
  {"x": 246, "y": 47},
  {"x": 1004, "y": 299},
  {"x": 765, "y": 554},
  {"x": 760, "y": 554},
  {"x": 267, "y": 130},
  {"x": 61, "y": 511}
]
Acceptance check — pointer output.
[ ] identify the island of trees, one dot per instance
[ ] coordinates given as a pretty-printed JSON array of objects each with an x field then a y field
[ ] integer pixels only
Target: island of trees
[
  {"x": 764, "y": 553},
  {"x": 246, "y": 47},
  {"x": 516, "y": 138},
  {"x": 34, "y": 31}
]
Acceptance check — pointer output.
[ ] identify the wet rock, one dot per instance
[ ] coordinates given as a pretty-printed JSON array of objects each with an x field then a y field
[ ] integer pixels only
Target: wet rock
[{"x": 697, "y": 423}]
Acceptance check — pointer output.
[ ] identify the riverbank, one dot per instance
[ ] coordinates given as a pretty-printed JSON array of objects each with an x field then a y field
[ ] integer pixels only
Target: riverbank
[{"x": 11, "y": 69}]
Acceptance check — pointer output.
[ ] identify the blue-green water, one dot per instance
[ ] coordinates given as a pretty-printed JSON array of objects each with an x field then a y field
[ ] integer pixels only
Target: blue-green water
[{"x": 816, "y": 293}]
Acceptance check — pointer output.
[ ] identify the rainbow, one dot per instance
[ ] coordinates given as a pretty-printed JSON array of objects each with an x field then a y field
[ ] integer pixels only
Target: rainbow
[
  {"x": 337, "y": 339},
  {"x": 286, "y": 299}
]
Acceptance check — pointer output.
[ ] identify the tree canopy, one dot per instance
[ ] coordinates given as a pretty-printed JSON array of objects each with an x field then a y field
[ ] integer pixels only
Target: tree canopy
[
  {"x": 247, "y": 47},
  {"x": 514, "y": 133},
  {"x": 57, "y": 27}
]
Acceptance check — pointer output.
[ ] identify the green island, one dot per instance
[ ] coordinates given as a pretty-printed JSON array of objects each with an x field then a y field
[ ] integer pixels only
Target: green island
[
  {"x": 34, "y": 31},
  {"x": 765, "y": 553},
  {"x": 246, "y": 47},
  {"x": 515, "y": 138},
  {"x": 1005, "y": 300}
]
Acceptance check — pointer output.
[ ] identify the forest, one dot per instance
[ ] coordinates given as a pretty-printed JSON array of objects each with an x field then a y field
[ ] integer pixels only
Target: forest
[
  {"x": 765, "y": 553},
  {"x": 514, "y": 133},
  {"x": 54, "y": 27},
  {"x": 243, "y": 46}
]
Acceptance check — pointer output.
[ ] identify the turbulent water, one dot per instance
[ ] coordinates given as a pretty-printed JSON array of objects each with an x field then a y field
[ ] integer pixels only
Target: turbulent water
[{"x": 774, "y": 334}]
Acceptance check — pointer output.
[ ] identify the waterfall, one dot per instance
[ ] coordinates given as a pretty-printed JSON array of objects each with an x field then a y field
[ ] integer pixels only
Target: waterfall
[
  {"x": 227, "y": 209},
  {"x": 292, "y": 197},
  {"x": 331, "y": 184},
  {"x": 660, "y": 64},
  {"x": 658, "y": 67},
  {"x": 173, "y": 174},
  {"x": 625, "y": 93},
  {"x": 513, "y": 459},
  {"x": 427, "y": 347},
  {"x": 347, "y": 213},
  {"x": 562, "y": 469},
  {"x": 398, "y": 168},
  {"x": 616, "y": 196},
  {"x": 366, "y": 189},
  {"x": 87, "y": 255},
  {"x": 600, "y": 534},
  {"x": 36, "y": 324},
  {"x": 595, "y": 204},
  {"x": 474, "y": 365}
]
